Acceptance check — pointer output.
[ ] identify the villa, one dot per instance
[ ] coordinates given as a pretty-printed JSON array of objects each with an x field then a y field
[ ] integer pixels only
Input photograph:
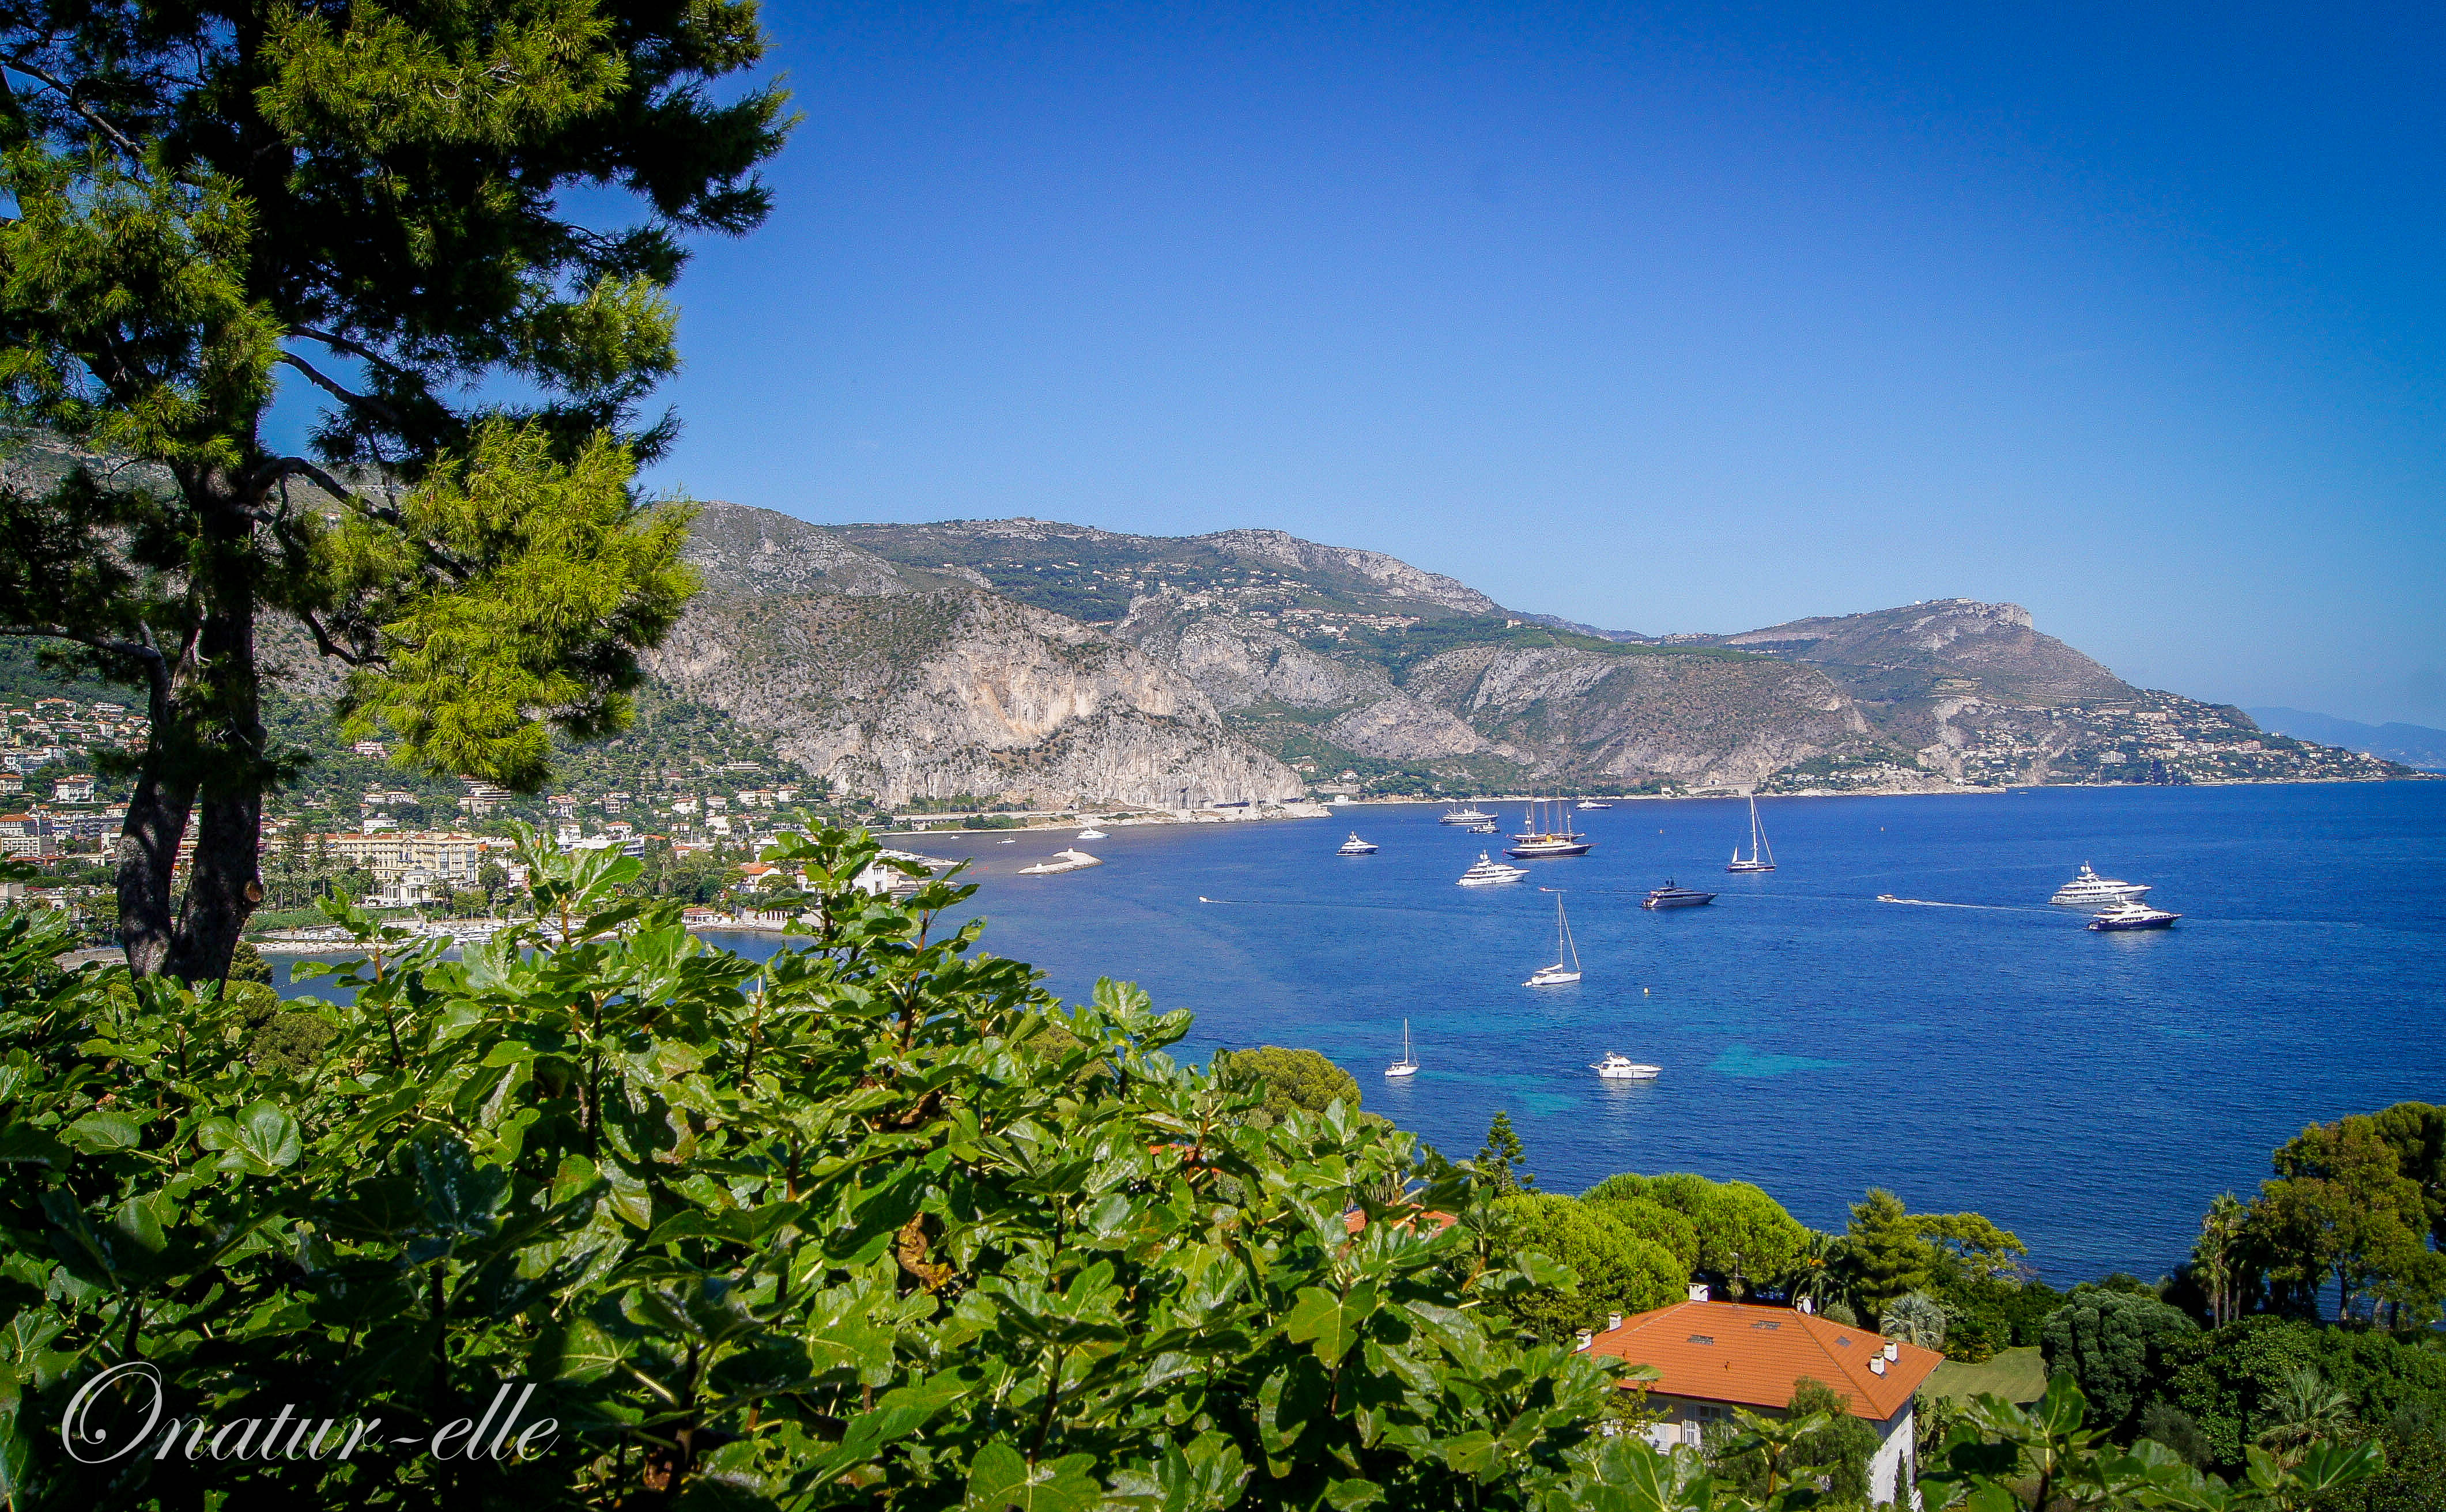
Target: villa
[{"x": 1711, "y": 1357}]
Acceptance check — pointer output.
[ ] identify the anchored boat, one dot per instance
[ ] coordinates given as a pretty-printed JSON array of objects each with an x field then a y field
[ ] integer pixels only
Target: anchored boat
[
  {"x": 1672, "y": 896},
  {"x": 1566, "y": 968},
  {"x": 1762, "y": 856}
]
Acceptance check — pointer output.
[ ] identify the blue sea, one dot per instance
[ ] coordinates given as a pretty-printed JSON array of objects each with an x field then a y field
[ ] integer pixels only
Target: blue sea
[{"x": 1978, "y": 1050}]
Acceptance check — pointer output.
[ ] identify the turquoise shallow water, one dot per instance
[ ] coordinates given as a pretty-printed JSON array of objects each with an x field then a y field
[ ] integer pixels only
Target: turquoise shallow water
[{"x": 2090, "y": 1091}]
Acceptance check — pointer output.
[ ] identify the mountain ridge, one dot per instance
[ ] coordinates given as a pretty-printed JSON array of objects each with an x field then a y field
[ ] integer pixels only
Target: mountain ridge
[{"x": 1255, "y": 663}]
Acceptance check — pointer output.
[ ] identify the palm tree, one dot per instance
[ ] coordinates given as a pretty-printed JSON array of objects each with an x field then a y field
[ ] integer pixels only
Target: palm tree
[
  {"x": 1816, "y": 1274},
  {"x": 1914, "y": 1318},
  {"x": 2306, "y": 1410},
  {"x": 2216, "y": 1254}
]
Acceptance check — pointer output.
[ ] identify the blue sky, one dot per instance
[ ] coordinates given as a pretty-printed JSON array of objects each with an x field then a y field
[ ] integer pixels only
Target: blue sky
[{"x": 1674, "y": 318}]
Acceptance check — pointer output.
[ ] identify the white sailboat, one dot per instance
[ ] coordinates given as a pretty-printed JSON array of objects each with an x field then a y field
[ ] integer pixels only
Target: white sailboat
[
  {"x": 1408, "y": 1064},
  {"x": 1762, "y": 856},
  {"x": 1566, "y": 968}
]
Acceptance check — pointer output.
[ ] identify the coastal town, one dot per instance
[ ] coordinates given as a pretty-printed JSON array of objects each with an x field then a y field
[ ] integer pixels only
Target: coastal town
[{"x": 691, "y": 792}]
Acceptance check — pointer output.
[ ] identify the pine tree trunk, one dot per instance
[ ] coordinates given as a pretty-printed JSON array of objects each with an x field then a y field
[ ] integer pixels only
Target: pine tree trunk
[
  {"x": 148, "y": 851},
  {"x": 208, "y": 760}
]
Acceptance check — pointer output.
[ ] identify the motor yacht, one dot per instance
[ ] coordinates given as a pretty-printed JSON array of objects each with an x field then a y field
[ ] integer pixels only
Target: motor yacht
[
  {"x": 2131, "y": 915},
  {"x": 1592, "y": 803},
  {"x": 1092, "y": 835},
  {"x": 1490, "y": 872},
  {"x": 1619, "y": 1067},
  {"x": 1355, "y": 847},
  {"x": 1466, "y": 814},
  {"x": 2089, "y": 890},
  {"x": 1061, "y": 861},
  {"x": 1674, "y": 896}
]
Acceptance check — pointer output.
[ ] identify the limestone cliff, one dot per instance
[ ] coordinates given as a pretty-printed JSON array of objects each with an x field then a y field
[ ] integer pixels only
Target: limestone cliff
[{"x": 906, "y": 683}]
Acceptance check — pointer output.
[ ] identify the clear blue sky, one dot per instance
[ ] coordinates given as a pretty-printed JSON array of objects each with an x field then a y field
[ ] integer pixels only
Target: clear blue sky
[{"x": 1664, "y": 318}]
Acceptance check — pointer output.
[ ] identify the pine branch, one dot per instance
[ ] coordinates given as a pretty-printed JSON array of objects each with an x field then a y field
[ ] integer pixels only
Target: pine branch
[
  {"x": 364, "y": 402},
  {"x": 66, "y": 92}
]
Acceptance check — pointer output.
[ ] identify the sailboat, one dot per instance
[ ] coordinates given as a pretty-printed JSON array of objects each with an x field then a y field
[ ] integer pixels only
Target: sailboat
[
  {"x": 1762, "y": 856},
  {"x": 1566, "y": 968},
  {"x": 1408, "y": 1064}
]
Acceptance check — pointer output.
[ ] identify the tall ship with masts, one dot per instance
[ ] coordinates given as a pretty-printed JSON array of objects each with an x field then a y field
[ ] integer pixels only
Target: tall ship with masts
[
  {"x": 1762, "y": 856},
  {"x": 1552, "y": 836}
]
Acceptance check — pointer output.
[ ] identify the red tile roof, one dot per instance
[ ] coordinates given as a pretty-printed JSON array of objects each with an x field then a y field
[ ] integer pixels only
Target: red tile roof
[{"x": 1733, "y": 1352}]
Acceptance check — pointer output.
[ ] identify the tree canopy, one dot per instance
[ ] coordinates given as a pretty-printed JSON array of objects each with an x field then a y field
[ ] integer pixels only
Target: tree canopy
[
  {"x": 1287, "y": 1080},
  {"x": 1616, "y": 1270},
  {"x": 2113, "y": 1343},
  {"x": 384, "y": 203}
]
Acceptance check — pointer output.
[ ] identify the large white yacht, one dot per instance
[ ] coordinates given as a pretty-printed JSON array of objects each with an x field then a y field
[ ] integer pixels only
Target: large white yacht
[
  {"x": 1355, "y": 847},
  {"x": 2128, "y": 915},
  {"x": 1490, "y": 872},
  {"x": 1619, "y": 1067},
  {"x": 1466, "y": 814},
  {"x": 2090, "y": 890}
]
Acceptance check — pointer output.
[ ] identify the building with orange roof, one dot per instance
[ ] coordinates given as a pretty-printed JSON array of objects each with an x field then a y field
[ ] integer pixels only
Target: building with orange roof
[{"x": 1711, "y": 1357}]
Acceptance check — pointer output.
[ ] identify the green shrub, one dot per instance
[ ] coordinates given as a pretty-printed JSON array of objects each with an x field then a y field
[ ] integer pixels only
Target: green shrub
[
  {"x": 2114, "y": 1343},
  {"x": 851, "y": 1225}
]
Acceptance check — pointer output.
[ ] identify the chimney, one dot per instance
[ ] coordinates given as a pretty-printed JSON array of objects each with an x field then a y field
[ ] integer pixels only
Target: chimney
[
  {"x": 1613, "y": 1321},
  {"x": 1698, "y": 1291},
  {"x": 1877, "y": 1364},
  {"x": 1894, "y": 1351},
  {"x": 1587, "y": 1339}
]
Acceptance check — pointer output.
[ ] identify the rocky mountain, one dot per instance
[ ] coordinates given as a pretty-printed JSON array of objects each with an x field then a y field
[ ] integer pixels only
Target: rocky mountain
[
  {"x": 1358, "y": 670},
  {"x": 903, "y": 683}
]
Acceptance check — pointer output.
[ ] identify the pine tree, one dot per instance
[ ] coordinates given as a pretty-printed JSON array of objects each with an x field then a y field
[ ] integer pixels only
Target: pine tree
[
  {"x": 1884, "y": 1251},
  {"x": 378, "y": 200},
  {"x": 1499, "y": 1159}
]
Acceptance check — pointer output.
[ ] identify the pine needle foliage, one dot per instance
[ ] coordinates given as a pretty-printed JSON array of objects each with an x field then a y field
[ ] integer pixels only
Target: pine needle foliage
[{"x": 376, "y": 200}]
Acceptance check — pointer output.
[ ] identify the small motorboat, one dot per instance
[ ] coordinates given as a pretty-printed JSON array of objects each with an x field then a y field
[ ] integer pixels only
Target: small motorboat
[
  {"x": 1408, "y": 1064},
  {"x": 1355, "y": 847},
  {"x": 1092, "y": 835},
  {"x": 1483, "y": 826},
  {"x": 1619, "y": 1067},
  {"x": 2131, "y": 915},
  {"x": 1673, "y": 896},
  {"x": 1490, "y": 872},
  {"x": 1061, "y": 861}
]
